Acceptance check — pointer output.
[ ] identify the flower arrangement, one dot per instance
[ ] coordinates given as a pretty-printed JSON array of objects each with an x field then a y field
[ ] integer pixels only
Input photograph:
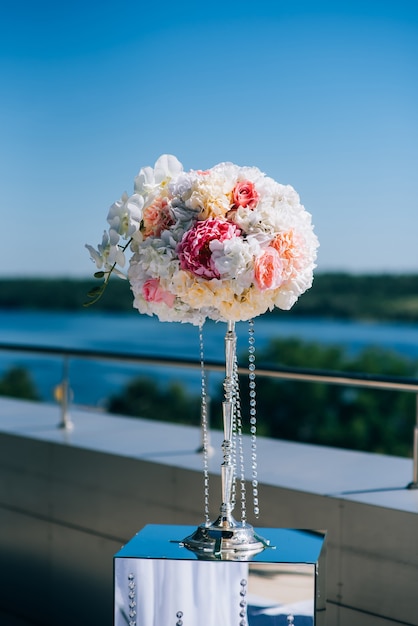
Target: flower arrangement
[{"x": 227, "y": 243}]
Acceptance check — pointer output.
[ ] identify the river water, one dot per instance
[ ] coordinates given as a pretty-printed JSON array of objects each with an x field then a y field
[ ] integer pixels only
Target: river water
[{"x": 131, "y": 333}]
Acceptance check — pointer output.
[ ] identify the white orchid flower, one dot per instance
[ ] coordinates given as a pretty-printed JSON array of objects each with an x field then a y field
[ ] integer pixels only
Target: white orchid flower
[
  {"x": 125, "y": 217},
  {"x": 107, "y": 254},
  {"x": 98, "y": 256},
  {"x": 166, "y": 167},
  {"x": 149, "y": 182}
]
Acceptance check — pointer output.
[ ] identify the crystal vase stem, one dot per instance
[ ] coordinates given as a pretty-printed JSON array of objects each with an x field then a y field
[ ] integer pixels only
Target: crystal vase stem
[{"x": 227, "y": 468}]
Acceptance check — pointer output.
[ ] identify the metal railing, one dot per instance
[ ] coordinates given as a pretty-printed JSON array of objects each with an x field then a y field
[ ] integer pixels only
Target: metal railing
[{"x": 388, "y": 383}]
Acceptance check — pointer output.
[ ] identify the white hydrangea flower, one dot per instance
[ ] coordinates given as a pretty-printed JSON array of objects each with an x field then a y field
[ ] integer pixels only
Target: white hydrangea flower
[
  {"x": 209, "y": 195},
  {"x": 233, "y": 259},
  {"x": 181, "y": 186}
]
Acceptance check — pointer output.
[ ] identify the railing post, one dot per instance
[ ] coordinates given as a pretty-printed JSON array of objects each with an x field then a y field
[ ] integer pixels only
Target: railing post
[
  {"x": 414, "y": 483},
  {"x": 62, "y": 394}
]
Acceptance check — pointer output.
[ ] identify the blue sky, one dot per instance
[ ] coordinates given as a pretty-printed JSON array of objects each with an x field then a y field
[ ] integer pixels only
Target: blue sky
[{"x": 319, "y": 95}]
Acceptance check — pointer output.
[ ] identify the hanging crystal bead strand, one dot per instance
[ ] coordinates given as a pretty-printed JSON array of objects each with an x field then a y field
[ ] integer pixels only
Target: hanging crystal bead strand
[
  {"x": 253, "y": 415},
  {"x": 132, "y": 599},
  {"x": 239, "y": 443},
  {"x": 235, "y": 400},
  {"x": 204, "y": 419},
  {"x": 234, "y": 438},
  {"x": 243, "y": 604}
]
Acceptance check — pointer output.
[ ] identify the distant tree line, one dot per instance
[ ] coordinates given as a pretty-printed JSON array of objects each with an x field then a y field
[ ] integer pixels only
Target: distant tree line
[
  {"x": 333, "y": 295},
  {"x": 66, "y": 294},
  {"x": 16, "y": 382},
  {"x": 374, "y": 297}
]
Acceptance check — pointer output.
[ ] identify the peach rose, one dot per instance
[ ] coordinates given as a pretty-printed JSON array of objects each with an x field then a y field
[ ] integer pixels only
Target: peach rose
[
  {"x": 156, "y": 218},
  {"x": 290, "y": 248},
  {"x": 268, "y": 268},
  {"x": 244, "y": 194}
]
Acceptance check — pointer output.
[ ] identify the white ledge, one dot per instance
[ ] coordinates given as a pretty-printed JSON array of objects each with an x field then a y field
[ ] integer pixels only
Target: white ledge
[{"x": 363, "y": 477}]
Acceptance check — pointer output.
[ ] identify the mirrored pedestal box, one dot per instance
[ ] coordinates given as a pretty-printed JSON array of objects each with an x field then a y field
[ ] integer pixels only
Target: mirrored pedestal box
[{"x": 159, "y": 582}]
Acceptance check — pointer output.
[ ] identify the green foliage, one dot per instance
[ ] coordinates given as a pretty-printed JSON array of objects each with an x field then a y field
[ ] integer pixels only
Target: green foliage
[
  {"x": 335, "y": 415},
  {"x": 17, "y": 383},
  {"x": 347, "y": 296},
  {"x": 143, "y": 397},
  {"x": 63, "y": 294}
]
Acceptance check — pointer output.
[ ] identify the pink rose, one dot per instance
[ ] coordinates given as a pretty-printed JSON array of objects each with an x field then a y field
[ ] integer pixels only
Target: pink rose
[
  {"x": 194, "y": 249},
  {"x": 153, "y": 292},
  {"x": 268, "y": 269},
  {"x": 244, "y": 194}
]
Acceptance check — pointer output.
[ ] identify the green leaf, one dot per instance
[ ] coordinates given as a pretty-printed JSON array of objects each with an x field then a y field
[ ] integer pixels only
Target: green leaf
[
  {"x": 95, "y": 291},
  {"x": 99, "y": 275}
]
